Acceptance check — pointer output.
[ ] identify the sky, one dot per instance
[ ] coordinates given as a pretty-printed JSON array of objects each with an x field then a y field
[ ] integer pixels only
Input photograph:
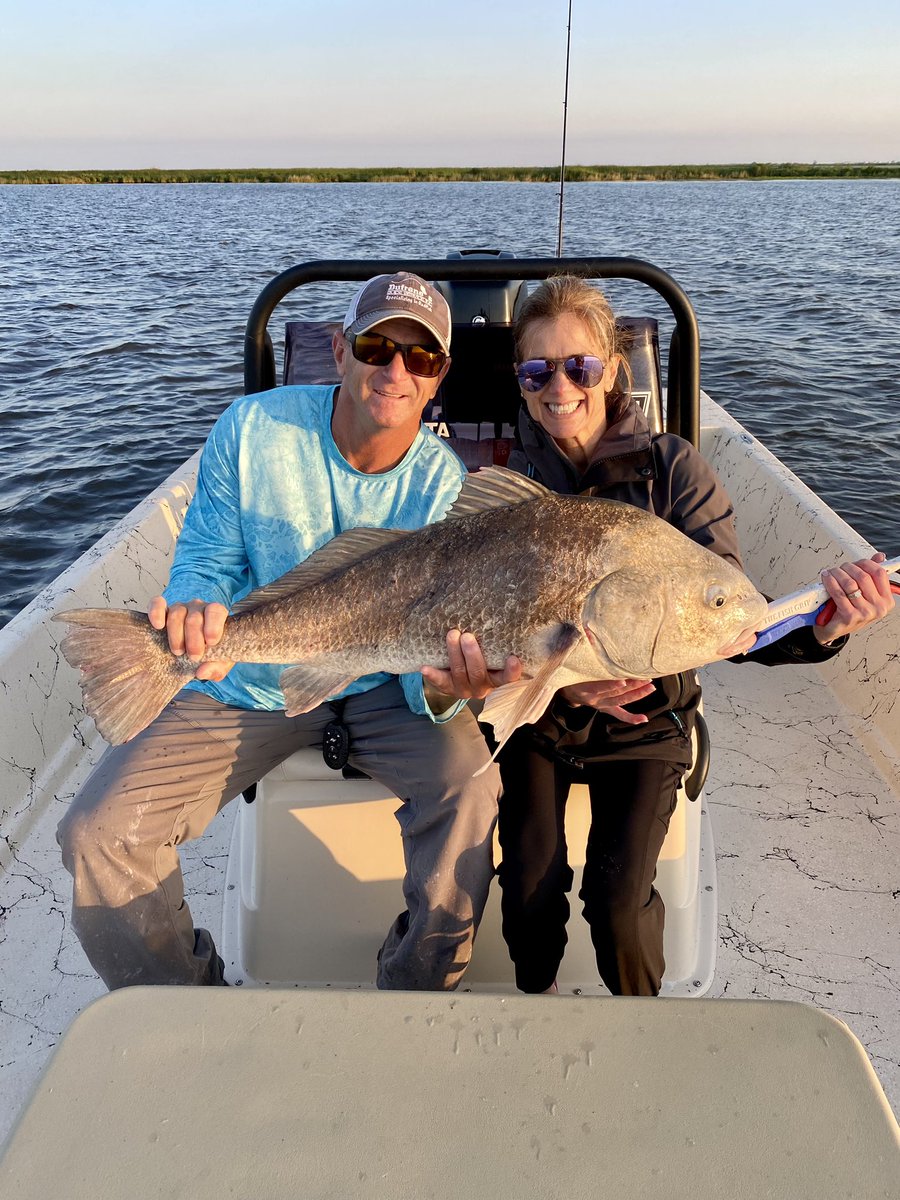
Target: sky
[{"x": 94, "y": 85}]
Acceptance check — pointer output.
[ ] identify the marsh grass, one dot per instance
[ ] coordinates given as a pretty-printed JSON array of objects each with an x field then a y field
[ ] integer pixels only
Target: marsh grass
[{"x": 574, "y": 174}]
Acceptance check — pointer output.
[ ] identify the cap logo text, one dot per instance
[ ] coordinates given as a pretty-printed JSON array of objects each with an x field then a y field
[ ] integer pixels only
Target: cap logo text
[{"x": 409, "y": 294}]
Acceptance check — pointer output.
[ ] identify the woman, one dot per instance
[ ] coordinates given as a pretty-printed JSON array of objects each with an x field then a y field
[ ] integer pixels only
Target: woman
[{"x": 581, "y": 434}]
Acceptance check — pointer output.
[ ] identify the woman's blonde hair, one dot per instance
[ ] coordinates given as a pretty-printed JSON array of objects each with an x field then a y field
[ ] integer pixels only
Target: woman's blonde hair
[{"x": 559, "y": 295}]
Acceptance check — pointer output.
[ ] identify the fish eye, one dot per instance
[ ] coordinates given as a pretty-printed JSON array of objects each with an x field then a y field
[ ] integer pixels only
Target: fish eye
[{"x": 716, "y": 596}]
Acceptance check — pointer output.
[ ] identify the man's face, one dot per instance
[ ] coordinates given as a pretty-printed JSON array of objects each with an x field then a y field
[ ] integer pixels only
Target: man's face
[{"x": 388, "y": 397}]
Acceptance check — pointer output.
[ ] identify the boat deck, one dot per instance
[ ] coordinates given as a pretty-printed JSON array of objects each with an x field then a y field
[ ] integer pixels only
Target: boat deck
[
  {"x": 803, "y": 797},
  {"x": 806, "y": 834}
]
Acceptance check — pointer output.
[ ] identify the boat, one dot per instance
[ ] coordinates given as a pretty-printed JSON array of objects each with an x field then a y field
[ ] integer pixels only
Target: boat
[{"x": 779, "y": 872}]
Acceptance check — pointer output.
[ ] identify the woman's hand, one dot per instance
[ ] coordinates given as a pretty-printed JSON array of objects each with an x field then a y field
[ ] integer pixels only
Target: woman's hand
[
  {"x": 609, "y": 696},
  {"x": 468, "y": 677},
  {"x": 746, "y": 641},
  {"x": 191, "y": 629},
  {"x": 861, "y": 592}
]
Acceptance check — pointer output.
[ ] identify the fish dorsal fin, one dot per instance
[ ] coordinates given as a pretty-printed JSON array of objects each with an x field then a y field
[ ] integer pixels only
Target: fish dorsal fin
[
  {"x": 341, "y": 551},
  {"x": 494, "y": 487},
  {"x": 523, "y": 702}
]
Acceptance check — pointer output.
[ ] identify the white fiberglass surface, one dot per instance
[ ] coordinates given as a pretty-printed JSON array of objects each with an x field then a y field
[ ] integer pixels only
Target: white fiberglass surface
[{"x": 803, "y": 793}]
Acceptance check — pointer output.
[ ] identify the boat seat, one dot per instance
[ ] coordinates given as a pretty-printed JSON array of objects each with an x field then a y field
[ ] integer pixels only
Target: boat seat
[
  {"x": 315, "y": 880},
  {"x": 476, "y": 407}
]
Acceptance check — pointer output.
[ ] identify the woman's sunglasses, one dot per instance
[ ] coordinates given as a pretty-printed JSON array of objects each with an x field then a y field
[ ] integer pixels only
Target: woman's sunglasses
[
  {"x": 376, "y": 350},
  {"x": 585, "y": 370}
]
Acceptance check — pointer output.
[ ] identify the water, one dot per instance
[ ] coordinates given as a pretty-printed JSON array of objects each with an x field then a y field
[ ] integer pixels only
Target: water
[{"x": 122, "y": 310}]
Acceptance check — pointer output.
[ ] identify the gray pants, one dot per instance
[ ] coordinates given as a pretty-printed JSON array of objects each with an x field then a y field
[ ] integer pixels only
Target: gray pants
[{"x": 120, "y": 836}]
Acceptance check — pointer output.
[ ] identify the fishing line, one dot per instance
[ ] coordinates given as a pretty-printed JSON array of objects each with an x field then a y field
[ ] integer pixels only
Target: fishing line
[{"x": 562, "y": 165}]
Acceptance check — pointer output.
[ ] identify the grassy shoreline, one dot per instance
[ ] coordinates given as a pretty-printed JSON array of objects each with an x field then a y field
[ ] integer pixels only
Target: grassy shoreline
[{"x": 574, "y": 174}]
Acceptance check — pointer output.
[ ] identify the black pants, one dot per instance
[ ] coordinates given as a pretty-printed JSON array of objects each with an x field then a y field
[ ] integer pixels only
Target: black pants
[{"x": 631, "y": 804}]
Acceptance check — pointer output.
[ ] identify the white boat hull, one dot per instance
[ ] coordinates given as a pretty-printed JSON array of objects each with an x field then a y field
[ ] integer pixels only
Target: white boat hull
[{"x": 803, "y": 792}]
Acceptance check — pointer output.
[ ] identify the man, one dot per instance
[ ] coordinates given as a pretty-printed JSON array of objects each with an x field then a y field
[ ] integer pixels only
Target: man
[{"x": 281, "y": 474}]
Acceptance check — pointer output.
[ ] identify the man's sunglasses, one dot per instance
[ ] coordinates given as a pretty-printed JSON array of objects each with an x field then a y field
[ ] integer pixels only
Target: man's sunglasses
[
  {"x": 376, "y": 350},
  {"x": 585, "y": 370}
]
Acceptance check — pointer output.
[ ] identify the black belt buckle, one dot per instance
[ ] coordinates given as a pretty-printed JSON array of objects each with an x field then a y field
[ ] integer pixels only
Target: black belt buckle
[{"x": 336, "y": 745}]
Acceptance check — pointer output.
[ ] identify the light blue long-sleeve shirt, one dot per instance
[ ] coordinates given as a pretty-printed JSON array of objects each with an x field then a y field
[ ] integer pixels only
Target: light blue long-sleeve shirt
[{"x": 272, "y": 488}]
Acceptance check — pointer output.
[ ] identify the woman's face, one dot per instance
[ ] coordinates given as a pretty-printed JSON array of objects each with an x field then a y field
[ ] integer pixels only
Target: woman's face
[{"x": 573, "y": 415}]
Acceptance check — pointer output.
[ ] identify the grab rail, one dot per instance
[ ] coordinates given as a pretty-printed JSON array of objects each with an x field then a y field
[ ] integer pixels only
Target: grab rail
[{"x": 683, "y": 375}]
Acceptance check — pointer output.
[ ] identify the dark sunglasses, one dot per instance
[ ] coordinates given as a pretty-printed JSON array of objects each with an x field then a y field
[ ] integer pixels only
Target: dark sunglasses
[
  {"x": 585, "y": 370},
  {"x": 376, "y": 350}
]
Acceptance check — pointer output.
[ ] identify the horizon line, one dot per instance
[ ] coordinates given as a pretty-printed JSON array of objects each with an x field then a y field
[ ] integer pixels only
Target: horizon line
[{"x": 573, "y": 172}]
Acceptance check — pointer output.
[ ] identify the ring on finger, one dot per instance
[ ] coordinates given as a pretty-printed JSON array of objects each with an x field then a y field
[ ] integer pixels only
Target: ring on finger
[{"x": 854, "y": 594}]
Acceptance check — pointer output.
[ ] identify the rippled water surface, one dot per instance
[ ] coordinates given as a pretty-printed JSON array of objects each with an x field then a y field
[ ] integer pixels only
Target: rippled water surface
[{"x": 123, "y": 308}]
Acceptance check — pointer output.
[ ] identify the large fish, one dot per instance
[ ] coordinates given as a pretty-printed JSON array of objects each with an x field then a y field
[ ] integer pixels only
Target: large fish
[{"x": 578, "y": 588}]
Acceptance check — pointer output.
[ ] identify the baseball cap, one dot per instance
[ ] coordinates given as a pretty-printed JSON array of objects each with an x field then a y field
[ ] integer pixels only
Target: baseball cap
[{"x": 402, "y": 295}]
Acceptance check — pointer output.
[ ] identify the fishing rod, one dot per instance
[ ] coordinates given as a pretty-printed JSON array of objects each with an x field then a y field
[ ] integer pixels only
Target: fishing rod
[{"x": 562, "y": 167}]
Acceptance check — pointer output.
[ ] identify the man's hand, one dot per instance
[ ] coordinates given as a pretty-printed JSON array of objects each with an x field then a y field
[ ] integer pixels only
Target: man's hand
[
  {"x": 468, "y": 677},
  {"x": 609, "y": 696},
  {"x": 191, "y": 629}
]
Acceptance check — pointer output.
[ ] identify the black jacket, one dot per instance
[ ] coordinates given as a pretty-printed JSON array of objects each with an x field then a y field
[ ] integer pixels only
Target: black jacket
[{"x": 665, "y": 475}]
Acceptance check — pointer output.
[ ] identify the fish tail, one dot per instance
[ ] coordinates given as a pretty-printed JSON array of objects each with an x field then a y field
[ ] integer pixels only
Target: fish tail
[{"x": 127, "y": 672}]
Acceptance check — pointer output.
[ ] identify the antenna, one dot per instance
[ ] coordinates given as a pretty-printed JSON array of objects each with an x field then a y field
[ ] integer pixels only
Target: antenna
[{"x": 562, "y": 166}]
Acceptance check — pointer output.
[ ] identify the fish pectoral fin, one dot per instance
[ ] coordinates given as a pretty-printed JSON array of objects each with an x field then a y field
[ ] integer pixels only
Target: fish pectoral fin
[
  {"x": 304, "y": 687},
  {"x": 524, "y": 702},
  {"x": 515, "y": 704}
]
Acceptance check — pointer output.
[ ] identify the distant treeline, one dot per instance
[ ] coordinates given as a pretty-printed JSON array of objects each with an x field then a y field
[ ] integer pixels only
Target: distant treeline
[{"x": 574, "y": 174}]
